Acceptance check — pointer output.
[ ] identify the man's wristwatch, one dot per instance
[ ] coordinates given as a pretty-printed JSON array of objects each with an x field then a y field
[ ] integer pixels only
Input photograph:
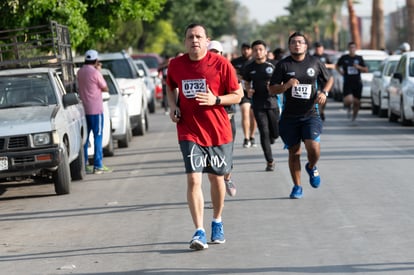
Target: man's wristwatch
[
  {"x": 325, "y": 93},
  {"x": 218, "y": 100}
]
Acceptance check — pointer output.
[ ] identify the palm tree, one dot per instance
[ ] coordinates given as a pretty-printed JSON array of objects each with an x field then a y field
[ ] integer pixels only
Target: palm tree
[
  {"x": 377, "y": 27},
  {"x": 354, "y": 25}
]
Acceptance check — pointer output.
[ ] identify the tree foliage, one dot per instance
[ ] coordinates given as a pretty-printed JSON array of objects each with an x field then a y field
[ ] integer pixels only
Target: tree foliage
[{"x": 91, "y": 22}]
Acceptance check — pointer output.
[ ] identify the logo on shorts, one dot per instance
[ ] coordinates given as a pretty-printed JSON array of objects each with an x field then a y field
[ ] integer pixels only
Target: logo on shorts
[
  {"x": 311, "y": 72},
  {"x": 198, "y": 160}
]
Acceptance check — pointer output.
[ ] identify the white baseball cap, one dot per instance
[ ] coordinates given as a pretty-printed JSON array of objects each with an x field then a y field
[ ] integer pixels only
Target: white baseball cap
[
  {"x": 91, "y": 55},
  {"x": 215, "y": 45}
]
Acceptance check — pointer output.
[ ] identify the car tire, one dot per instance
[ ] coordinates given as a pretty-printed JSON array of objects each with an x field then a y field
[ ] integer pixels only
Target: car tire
[
  {"x": 403, "y": 118},
  {"x": 151, "y": 106},
  {"x": 77, "y": 167},
  {"x": 109, "y": 150},
  {"x": 141, "y": 128},
  {"x": 61, "y": 177}
]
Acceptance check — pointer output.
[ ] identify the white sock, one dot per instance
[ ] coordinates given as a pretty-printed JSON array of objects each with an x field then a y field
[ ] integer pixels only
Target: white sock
[{"x": 217, "y": 220}]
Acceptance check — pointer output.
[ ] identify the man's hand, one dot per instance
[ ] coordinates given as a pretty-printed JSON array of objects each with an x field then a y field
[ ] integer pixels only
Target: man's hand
[{"x": 207, "y": 99}]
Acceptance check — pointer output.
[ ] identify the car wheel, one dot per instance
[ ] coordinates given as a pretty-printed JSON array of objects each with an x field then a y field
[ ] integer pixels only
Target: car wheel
[
  {"x": 109, "y": 150},
  {"x": 124, "y": 141},
  {"x": 391, "y": 116},
  {"x": 141, "y": 128},
  {"x": 404, "y": 120},
  {"x": 61, "y": 177},
  {"x": 151, "y": 106},
  {"x": 374, "y": 108},
  {"x": 77, "y": 167}
]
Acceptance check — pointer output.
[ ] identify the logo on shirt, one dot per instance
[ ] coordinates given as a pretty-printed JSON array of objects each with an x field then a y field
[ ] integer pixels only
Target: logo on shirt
[
  {"x": 269, "y": 70},
  {"x": 310, "y": 72},
  {"x": 291, "y": 73}
]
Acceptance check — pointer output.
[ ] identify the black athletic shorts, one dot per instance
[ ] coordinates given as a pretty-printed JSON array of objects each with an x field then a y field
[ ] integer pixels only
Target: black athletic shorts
[{"x": 216, "y": 160}]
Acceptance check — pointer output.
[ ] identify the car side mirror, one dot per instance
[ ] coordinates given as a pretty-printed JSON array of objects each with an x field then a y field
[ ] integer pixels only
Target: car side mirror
[
  {"x": 70, "y": 99},
  {"x": 398, "y": 76}
]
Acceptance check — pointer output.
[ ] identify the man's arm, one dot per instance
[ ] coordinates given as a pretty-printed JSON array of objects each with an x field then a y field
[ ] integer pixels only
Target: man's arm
[{"x": 281, "y": 88}]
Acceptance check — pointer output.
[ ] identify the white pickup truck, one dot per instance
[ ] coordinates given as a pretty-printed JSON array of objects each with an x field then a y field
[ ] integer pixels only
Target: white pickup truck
[{"x": 42, "y": 120}]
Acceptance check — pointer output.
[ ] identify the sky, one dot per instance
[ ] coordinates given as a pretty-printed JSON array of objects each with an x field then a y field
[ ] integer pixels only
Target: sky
[{"x": 266, "y": 10}]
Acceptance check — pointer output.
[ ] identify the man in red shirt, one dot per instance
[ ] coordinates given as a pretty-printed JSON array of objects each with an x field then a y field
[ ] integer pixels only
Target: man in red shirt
[{"x": 199, "y": 83}]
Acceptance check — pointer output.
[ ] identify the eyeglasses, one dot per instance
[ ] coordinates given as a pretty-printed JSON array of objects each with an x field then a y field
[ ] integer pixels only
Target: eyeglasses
[{"x": 294, "y": 42}]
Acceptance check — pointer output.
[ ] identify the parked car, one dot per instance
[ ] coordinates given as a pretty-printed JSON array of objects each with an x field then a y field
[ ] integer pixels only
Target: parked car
[
  {"x": 373, "y": 60},
  {"x": 118, "y": 108},
  {"x": 149, "y": 82},
  {"x": 153, "y": 61},
  {"x": 401, "y": 91},
  {"x": 124, "y": 70},
  {"x": 43, "y": 125},
  {"x": 380, "y": 82}
]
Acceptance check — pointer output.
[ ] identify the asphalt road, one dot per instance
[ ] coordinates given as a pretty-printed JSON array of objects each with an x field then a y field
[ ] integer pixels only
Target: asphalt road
[{"x": 135, "y": 220}]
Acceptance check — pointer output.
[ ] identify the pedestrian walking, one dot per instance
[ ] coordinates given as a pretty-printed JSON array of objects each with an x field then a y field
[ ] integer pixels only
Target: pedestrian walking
[
  {"x": 248, "y": 122},
  {"x": 320, "y": 53},
  {"x": 216, "y": 47},
  {"x": 351, "y": 66},
  {"x": 257, "y": 75},
  {"x": 91, "y": 85},
  {"x": 199, "y": 84},
  {"x": 296, "y": 77}
]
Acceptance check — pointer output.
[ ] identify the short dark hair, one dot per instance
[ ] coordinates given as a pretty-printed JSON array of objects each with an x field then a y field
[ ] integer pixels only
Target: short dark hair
[
  {"x": 245, "y": 45},
  {"x": 295, "y": 34},
  {"x": 351, "y": 43},
  {"x": 259, "y": 42},
  {"x": 193, "y": 25}
]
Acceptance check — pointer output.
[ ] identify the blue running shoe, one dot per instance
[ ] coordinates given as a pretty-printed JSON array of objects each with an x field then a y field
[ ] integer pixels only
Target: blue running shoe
[
  {"x": 199, "y": 241},
  {"x": 296, "y": 192},
  {"x": 314, "y": 178},
  {"x": 217, "y": 232}
]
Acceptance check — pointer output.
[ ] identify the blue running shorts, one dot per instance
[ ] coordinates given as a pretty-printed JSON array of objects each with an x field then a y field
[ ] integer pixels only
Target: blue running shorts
[{"x": 294, "y": 130}]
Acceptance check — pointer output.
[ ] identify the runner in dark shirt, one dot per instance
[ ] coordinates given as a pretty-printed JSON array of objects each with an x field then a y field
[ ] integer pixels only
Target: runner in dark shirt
[
  {"x": 296, "y": 77},
  {"x": 350, "y": 66},
  {"x": 257, "y": 75}
]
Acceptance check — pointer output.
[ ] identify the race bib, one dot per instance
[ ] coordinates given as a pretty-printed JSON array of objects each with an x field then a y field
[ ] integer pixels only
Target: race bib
[
  {"x": 352, "y": 70},
  {"x": 302, "y": 91},
  {"x": 193, "y": 86}
]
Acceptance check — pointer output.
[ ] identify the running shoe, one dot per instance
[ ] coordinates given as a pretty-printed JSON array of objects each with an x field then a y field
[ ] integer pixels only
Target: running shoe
[
  {"x": 270, "y": 166},
  {"x": 102, "y": 170},
  {"x": 199, "y": 241},
  {"x": 253, "y": 142},
  {"x": 89, "y": 169},
  {"x": 217, "y": 232},
  {"x": 297, "y": 192},
  {"x": 314, "y": 178},
  {"x": 230, "y": 187},
  {"x": 246, "y": 143}
]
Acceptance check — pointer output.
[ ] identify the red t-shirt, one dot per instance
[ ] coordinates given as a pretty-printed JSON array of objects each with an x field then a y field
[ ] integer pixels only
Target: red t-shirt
[{"x": 204, "y": 125}]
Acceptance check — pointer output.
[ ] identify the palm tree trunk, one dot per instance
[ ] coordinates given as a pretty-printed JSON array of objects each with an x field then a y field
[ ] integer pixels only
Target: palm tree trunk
[
  {"x": 354, "y": 25},
  {"x": 377, "y": 27},
  {"x": 410, "y": 23}
]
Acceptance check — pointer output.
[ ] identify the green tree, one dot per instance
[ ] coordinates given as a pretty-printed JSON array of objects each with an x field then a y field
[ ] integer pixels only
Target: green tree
[{"x": 91, "y": 22}]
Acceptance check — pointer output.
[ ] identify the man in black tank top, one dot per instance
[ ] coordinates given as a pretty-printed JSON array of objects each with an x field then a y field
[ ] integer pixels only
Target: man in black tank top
[{"x": 296, "y": 78}]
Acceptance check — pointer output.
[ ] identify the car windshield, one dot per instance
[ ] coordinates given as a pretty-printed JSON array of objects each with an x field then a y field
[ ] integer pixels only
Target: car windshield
[
  {"x": 411, "y": 66},
  {"x": 373, "y": 65},
  {"x": 390, "y": 67},
  {"x": 118, "y": 67},
  {"x": 151, "y": 62},
  {"x": 26, "y": 90},
  {"x": 111, "y": 85}
]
